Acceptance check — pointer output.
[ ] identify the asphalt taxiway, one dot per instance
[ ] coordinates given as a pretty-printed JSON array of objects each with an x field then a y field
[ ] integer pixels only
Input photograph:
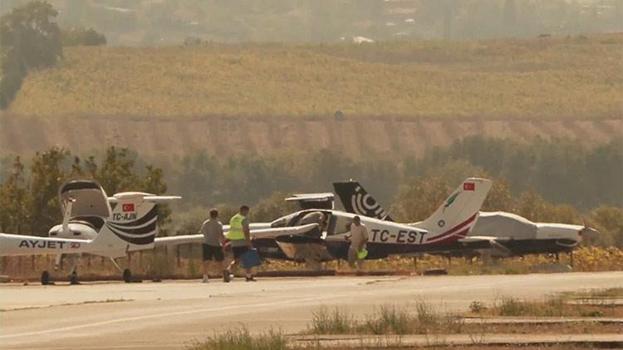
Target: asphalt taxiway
[{"x": 172, "y": 314}]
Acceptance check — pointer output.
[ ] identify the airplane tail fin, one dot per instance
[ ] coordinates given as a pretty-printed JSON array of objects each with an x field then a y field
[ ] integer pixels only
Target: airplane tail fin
[
  {"x": 357, "y": 200},
  {"x": 458, "y": 214},
  {"x": 133, "y": 223}
]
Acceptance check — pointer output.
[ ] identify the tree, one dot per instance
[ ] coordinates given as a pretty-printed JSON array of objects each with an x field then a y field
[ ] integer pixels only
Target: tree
[
  {"x": 609, "y": 222},
  {"x": 12, "y": 73},
  {"x": 76, "y": 36},
  {"x": 29, "y": 34},
  {"x": 420, "y": 198},
  {"x": 30, "y": 205},
  {"x": 13, "y": 200},
  {"x": 272, "y": 207},
  {"x": 28, "y": 39},
  {"x": 47, "y": 175},
  {"x": 116, "y": 171}
]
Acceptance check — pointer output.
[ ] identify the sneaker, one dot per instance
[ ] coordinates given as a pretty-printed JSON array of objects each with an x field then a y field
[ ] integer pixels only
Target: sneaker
[
  {"x": 205, "y": 279},
  {"x": 251, "y": 279},
  {"x": 226, "y": 276}
]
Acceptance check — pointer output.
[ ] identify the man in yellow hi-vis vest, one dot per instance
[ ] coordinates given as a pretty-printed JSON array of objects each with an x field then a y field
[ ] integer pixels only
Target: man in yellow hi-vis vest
[{"x": 240, "y": 239}]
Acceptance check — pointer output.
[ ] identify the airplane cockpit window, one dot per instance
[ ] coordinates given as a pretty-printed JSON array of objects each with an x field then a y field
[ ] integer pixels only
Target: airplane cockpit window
[
  {"x": 303, "y": 218},
  {"x": 281, "y": 222},
  {"x": 339, "y": 225},
  {"x": 314, "y": 217}
]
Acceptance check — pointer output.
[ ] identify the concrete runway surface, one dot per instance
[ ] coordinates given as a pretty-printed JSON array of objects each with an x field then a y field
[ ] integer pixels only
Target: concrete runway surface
[{"x": 172, "y": 314}]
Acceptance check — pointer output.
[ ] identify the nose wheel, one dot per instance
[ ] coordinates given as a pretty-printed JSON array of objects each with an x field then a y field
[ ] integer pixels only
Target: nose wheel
[
  {"x": 127, "y": 275},
  {"x": 45, "y": 278},
  {"x": 73, "y": 278}
]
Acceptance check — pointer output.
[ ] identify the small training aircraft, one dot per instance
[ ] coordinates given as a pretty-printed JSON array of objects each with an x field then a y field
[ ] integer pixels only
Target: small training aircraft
[
  {"x": 319, "y": 233},
  {"x": 497, "y": 234},
  {"x": 442, "y": 231},
  {"x": 93, "y": 223}
]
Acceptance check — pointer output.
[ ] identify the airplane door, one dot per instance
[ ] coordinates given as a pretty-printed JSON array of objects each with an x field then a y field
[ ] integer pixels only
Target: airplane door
[{"x": 331, "y": 225}]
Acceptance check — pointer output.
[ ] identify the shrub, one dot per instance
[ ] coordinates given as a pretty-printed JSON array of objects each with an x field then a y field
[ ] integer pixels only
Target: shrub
[
  {"x": 242, "y": 339},
  {"x": 78, "y": 36}
]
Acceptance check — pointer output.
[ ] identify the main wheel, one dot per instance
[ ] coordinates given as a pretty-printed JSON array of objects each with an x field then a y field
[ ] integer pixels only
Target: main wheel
[
  {"x": 45, "y": 278},
  {"x": 127, "y": 276},
  {"x": 73, "y": 278}
]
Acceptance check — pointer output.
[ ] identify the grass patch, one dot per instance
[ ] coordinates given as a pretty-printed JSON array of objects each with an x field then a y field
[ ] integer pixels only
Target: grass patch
[
  {"x": 386, "y": 319},
  {"x": 558, "y": 306},
  {"x": 593, "y": 294},
  {"x": 390, "y": 323},
  {"x": 331, "y": 321},
  {"x": 242, "y": 339}
]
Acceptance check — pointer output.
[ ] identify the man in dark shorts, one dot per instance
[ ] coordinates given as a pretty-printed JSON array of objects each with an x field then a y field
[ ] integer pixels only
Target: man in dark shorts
[
  {"x": 212, "y": 231},
  {"x": 239, "y": 237}
]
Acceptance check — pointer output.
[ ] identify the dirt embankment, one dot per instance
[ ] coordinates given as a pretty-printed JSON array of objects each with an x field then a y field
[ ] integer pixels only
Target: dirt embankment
[{"x": 356, "y": 137}]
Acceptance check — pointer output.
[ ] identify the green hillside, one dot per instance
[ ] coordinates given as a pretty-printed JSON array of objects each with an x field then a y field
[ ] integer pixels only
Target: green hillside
[{"x": 574, "y": 77}]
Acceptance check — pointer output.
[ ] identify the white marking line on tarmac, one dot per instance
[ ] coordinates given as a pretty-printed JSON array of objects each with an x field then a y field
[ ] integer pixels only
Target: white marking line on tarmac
[
  {"x": 212, "y": 309},
  {"x": 167, "y": 314}
]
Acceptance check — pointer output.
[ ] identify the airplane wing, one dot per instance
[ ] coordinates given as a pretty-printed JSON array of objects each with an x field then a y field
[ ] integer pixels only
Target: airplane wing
[
  {"x": 493, "y": 243},
  {"x": 475, "y": 239},
  {"x": 259, "y": 233},
  {"x": 313, "y": 200},
  {"x": 146, "y": 197}
]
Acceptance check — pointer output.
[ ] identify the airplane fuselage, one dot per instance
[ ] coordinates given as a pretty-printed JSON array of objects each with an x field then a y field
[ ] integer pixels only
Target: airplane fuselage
[{"x": 384, "y": 237}]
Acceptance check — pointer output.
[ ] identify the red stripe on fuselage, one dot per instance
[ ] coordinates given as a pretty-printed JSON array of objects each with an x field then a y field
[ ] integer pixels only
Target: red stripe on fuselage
[
  {"x": 455, "y": 228},
  {"x": 452, "y": 238}
]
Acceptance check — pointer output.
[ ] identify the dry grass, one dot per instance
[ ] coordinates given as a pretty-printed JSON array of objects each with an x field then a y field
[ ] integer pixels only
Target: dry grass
[
  {"x": 242, "y": 339},
  {"x": 159, "y": 263},
  {"x": 558, "y": 306},
  {"x": 386, "y": 320},
  {"x": 393, "y": 322},
  {"x": 537, "y": 78}
]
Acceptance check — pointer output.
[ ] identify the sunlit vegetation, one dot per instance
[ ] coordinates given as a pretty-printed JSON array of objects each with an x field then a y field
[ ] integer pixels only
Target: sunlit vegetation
[
  {"x": 570, "y": 77},
  {"x": 543, "y": 181},
  {"x": 29, "y": 202},
  {"x": 184, "y": 262},
  {"x": 386, "y": 326}
]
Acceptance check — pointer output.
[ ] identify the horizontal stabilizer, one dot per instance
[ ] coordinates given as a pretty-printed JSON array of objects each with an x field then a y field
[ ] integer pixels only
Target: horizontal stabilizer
[{"x": 313, "y": 200}]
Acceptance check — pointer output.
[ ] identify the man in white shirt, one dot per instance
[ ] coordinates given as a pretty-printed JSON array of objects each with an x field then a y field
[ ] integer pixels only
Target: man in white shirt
[
  {"x": 212, "y": 230},
  {"x": 358, "y": 238}
]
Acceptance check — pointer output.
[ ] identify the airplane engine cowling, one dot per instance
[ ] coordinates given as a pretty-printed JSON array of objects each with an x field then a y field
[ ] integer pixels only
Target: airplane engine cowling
[{"x": 77, "y": 230}]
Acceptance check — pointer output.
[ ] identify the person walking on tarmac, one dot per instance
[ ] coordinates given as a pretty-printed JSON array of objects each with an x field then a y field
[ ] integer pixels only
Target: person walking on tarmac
[
  {"x": 239, "y": 237},
  {"x": 358, "y": 238},
  {"x": 212, "y": 231}
]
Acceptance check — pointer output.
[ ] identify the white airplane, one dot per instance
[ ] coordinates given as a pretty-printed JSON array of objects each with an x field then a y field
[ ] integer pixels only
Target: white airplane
[
  {"x": 319, "y": 234},
  {"x": 498, "y": 234},
  {"x": 443, "y": 230},
  {"x": 93, "y": 223}
]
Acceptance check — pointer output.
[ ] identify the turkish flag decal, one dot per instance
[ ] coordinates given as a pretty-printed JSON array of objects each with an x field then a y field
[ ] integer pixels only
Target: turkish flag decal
[
  {"x": 469, "y": 186},
  {"x": 127, "y": 207}
]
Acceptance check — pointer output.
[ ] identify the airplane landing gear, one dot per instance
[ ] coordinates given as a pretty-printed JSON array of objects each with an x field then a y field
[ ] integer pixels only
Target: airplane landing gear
[
  {"x": 73, "y": 275},
  {"x": 127, "y": 275},
  {"x": 73, "y": 278},
  {"x": 45, "y": 278}
]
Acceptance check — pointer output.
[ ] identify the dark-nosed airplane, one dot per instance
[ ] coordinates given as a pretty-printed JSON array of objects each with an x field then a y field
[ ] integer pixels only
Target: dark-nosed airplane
[
  {"x": 498, "y": 234},
  {"x": 441, "y": 231},
  {"x": 319, "y": 233}
]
